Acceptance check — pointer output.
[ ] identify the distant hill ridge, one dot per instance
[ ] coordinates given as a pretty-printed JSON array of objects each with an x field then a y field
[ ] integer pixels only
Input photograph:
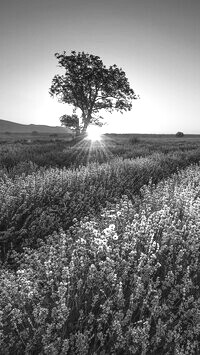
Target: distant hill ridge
[{"x": 13, "y": 127}]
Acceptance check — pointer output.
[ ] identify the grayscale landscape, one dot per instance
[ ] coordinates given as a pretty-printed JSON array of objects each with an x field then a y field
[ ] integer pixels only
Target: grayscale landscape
[{"x": 99, "y": 177}]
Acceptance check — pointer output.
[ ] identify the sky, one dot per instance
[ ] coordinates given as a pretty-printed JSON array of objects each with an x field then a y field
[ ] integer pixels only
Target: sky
[{"x": 156, "y": 43}]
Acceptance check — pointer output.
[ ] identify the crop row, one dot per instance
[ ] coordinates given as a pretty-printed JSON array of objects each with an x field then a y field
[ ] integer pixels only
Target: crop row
[
  {"x": 26, "y": 158},
  {"x": 33, "y": 206},
  {"x": 124, "y": 282}
]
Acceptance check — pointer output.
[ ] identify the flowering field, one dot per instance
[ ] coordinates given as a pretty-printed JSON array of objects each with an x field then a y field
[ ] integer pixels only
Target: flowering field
[
  {"x": 126, "y": 281},
  {"x": 100, "y": 247},
  {"x": 33, "y": 206},
  {"x": 23, "y": 157}
]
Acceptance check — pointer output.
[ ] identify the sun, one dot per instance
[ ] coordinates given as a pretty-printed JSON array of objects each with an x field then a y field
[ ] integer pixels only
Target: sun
[{"x": 93, "y": 133}]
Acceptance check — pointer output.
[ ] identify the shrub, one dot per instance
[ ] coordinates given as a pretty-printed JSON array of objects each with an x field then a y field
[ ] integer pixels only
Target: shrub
[
  {"x": 179, "y": 134},
  {"x": 35, "y": 133}
]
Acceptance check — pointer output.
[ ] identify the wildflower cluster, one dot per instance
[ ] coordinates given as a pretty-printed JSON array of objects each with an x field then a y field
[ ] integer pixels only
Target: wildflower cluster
[{"x": 123, "y": 282}]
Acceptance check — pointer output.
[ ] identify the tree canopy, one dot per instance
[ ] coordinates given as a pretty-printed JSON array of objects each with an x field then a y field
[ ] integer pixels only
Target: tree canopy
[{"x": 91, "y": 87}]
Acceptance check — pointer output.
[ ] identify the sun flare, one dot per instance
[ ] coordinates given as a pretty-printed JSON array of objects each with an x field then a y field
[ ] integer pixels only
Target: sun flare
[{"x": 93, "y": 133}]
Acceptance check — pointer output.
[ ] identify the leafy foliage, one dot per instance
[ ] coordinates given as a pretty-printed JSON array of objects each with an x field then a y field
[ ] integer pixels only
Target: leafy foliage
[
  {"x": 72, "y": 122},
  {"x": 91, "y": 87}
]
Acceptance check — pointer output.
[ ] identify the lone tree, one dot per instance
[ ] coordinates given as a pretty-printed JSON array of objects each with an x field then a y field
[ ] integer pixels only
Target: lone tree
[{"x": 91, "y": 87}]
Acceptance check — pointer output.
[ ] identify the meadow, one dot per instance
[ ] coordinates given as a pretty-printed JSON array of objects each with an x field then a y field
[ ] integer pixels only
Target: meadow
[{"x": 100, "y": 246}]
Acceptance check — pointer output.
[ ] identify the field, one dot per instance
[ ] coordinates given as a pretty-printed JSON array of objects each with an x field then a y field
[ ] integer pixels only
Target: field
[{"x": 100, "y": 245}]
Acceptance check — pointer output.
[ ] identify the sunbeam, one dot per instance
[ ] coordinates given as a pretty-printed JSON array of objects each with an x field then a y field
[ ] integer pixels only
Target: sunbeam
[{"x": 93, "y": 133}]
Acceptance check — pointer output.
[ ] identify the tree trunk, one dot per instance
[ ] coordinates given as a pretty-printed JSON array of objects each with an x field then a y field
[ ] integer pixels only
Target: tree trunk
[
  {"x": 86, "y": 121},
  {"x": 77, "y": 132}
]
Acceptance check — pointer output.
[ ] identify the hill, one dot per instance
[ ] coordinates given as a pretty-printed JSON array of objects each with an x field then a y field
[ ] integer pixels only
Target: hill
[{"x": 13, "y": 127}]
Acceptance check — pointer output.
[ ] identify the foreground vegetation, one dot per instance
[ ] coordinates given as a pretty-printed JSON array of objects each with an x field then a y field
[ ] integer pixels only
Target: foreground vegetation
[
  {"x": 103, "y": 258},
  {"x": 124, "y": 283}
]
